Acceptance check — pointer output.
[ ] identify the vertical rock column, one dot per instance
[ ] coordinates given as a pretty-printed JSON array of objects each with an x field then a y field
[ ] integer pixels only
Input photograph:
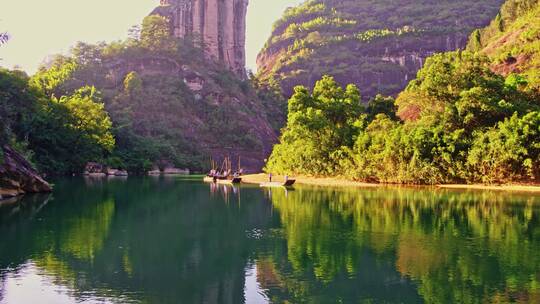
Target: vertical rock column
[
  {"x": 239, "y": 50},
  {"x": 198, "y": 17},
  {"x": 227, "y": 34},
  {"x": 219, "y": 24},
  {"x": 211, "y": 27}
]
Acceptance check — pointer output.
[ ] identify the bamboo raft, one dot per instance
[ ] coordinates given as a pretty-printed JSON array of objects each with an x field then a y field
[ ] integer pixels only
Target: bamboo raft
[
  {"x": 226, "y": 177},
  {"x": 288, "y": 183},
  {"x": 225, "y": 181}
]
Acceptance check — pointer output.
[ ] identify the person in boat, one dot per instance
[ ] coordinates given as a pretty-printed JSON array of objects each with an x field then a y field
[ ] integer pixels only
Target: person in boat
[
  {"x": 270, "y": 177},
  {"x": 286, "y": 178}
]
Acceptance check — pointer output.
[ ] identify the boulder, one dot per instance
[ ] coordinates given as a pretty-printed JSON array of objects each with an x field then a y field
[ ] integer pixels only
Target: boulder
[
  {"x": 116, "y": 172},
  {"x": 93, "y": 168},
  {"x": 17, "y": 176},
  {"x": 154, "y": 172},
  {"x": 175, "y": 171}
]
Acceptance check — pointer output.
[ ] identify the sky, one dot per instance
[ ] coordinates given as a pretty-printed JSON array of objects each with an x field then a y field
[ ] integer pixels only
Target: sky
[{"x": 40, "y": 28}]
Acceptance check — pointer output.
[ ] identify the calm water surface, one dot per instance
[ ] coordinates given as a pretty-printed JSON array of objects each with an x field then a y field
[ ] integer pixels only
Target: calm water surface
[{"x": 177, "y": 240}]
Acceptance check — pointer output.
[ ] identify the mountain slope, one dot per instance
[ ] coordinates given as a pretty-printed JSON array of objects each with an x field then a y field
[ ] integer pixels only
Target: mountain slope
[
  {"x": 378, "y": 45},
  {"x": 170, "y": 105},
  {"x": 512, "y": 40}
]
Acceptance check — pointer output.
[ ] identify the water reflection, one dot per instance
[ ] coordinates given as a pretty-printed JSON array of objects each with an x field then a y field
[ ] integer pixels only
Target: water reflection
[{"x": 170, "y": 240}]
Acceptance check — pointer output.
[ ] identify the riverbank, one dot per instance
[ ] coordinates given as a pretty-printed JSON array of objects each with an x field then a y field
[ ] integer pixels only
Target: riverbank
[
  {"x": 513, "y": 188},
  {"x": 328, "y": 181},
  {"x": 306, "y": 180}
]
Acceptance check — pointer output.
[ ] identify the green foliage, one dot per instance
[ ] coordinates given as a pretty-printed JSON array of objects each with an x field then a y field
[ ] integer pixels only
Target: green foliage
[
  {"x": 133, "y": 85},
  {"x": 318, "y": 125},
  {"x": 510, "y": 151},
  {"x": 512, "y": 40},
  {"x": 71, "y": 131},
  {"x": 156, "y": 34},
  {"x": 475, "y": 42},
  {"x": 459, "y": 122},
  {"x": 52, "y": 81},
  {"x": 273, "y": 101},
  {"x": 460, "y": 89},
  {"x": 59, "y": 134},
  {"x": 88, "y": 117},
  {"x": 17, "y": 104},
  {"x": 381, "y": 105}
]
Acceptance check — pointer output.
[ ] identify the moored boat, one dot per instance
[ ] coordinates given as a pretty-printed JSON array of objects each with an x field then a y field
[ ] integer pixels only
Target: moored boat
[
  {"x": 234, "y": 180},
  {"x": 224, "y": 175},
  {"x": 288, "y": 183}
]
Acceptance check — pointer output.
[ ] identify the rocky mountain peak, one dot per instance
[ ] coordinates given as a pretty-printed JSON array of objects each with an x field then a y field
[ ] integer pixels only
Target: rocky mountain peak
[{"x": 219, "y": 24}]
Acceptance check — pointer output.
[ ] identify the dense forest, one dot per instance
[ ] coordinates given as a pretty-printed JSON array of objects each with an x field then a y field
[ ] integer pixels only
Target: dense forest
[
  {"x": 379, "y": 45},
  {"x": 149, "y": 101},
  {"x": 459, "y": 121}
]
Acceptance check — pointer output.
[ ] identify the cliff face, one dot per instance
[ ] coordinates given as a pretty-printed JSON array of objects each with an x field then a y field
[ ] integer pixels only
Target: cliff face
[
  {"x": 377, "y": 44},
  {"x": 219, "y": 25},
  {"x": 184, "y": 108},
  {"x": 18, "y": 177}
]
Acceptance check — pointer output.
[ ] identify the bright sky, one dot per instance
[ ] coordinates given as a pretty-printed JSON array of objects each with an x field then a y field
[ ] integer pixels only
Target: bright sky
[{"x": 39, "y": 28}]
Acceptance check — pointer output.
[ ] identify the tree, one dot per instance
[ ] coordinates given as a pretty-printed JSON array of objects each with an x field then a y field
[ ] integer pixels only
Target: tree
[
  {"x": 475, "y": 41},
  {"x": 52, "y": 81},
  {"x": 156, "y": 34},
  {"x": 381, "y": 105},
  {"x": 73, "y": 130},
  {"x": 499, "y": 23},
  {"x": 459, "y": 89},
  {"x": 133, "y": 84},
  {"x": 85, "y": 53},
  {"x": 508, "y": 152},
  {"x": 319, "y": 124},
  {"x": 17, "y": 104}
]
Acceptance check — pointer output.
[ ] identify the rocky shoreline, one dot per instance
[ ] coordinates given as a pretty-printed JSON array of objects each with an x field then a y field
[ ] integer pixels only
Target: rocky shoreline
[{"x": 17, "y": 176}]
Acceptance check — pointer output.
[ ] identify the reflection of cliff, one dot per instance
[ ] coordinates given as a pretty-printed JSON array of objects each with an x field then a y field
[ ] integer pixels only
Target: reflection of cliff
[
  {"x": 21, "y": 208},
  {"x": 453, "y": 245},
  {"x": 191, "y": 248}
]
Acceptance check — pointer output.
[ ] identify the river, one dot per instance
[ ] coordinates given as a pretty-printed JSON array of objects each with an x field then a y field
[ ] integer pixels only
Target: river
[{"x": 178, "y": 240}]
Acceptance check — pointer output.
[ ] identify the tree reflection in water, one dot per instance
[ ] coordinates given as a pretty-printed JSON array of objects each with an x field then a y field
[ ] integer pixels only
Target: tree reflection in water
[
  {"x": 173, "y": 240},
  {"x": 458, "y": 247}
]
